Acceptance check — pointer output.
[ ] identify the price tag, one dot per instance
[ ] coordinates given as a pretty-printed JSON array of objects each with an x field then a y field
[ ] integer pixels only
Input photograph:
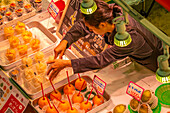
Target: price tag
[
  {"x": 99, "y": 84},
  {"x": 11, "y": 100},
  {"x": 53, "y": 9},
  {"x": 135, "y": 90},
  {"x": 13, "y": 105}
]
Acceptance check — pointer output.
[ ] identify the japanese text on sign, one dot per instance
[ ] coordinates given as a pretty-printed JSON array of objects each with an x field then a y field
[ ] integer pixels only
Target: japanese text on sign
[
  {"x": 14, "y": 105},
  {"x": 99, "y": 84},
  {"x": 53, "y": 9},
  {"x": 134, "y": 90}
]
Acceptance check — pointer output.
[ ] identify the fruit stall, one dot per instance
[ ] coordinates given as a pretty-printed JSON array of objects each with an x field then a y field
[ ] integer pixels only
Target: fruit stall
[{"x": 27, "y": 41}]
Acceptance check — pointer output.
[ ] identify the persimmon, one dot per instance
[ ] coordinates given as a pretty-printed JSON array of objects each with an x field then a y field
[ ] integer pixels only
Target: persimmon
[
  {"x": 87, "y": 106},
  {"x": 77, "y": 98},
  {"x": 79, "y": 83},
  {"x": 57, "y": 94}
]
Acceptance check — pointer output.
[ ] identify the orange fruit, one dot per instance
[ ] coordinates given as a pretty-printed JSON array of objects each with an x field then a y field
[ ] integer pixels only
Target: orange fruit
[
  {"x": 69, "y": 89},
  {"x": 86, "y": 106},
  {"x": 57, "y": 94},
  {"x": 98, "y": 99},
  {"x": 77, "y": 98},
  {"x": 51, "y": 110},
  {"x": 74, "y": 110},
  {"x": 42, "y": 102},
  {"x": 79, "y": 83},
  {"x": 64, "y": 106}
]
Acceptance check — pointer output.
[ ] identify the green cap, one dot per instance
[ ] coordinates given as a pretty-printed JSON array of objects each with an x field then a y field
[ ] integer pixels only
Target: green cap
[{"x": 88, "y": 7}]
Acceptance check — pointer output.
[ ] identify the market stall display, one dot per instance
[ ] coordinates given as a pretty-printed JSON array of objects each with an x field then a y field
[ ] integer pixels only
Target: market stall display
[
  {"x": 32, "y": 72},
  {"x": 30, "y": 37},
  {"x": 15, "y": 11},
  {"x": 63, "y": 103},
  {"x": 11, "y": 99}
]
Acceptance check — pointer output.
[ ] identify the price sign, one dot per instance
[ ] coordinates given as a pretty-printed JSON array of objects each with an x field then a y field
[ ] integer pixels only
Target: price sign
[
  {"x": 13, "y": 105},
  {"x": 11, "y": 100},
  {"x": 135, "y": 90},
  {"x": 99, "y": 84},
  {"x": 53, "y": 9}
]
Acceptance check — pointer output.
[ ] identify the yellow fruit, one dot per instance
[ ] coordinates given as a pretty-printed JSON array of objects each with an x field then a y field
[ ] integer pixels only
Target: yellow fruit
[
  {"x": 119, "y": 108},
  {"x": 146, "y": 96}
]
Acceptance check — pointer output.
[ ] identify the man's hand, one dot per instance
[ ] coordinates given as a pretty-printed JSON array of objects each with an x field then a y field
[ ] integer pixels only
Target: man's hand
[
  {"x": 56, "y": 66},
  {"x": 60, "y": 49}
]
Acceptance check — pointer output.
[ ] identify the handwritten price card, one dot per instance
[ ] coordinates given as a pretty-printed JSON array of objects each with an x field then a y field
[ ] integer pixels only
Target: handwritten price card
[
  {"x": 135, "y": 90},
  {"x": 99, "y": 84},
  {"x": 53, "y": 9}
]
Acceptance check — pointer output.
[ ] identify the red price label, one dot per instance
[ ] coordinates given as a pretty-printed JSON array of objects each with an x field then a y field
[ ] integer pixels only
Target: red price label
[
  {"x": 13, "y": 105},
  {"x": 99, "y": 84},
  {"x": 135, "y": 90},
  {"x": 53, "y": 9}
]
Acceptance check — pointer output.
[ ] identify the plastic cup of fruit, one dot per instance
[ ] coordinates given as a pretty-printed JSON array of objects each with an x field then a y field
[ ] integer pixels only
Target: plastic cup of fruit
[
  {"x": 28, "y": 8},
  {"x": 11, "y": 54},
  {"x": 20, "y": 3},
  {"x": 35, "y": 44},
  {"x": 8, "y": 32},
  {"x": 12, "y": 7},
  {"x": 19, "y": 12},
  {"x": 22, "y": 49},
  {"x": 3, "y": 10},
  {"x": 9, "y": 16}
]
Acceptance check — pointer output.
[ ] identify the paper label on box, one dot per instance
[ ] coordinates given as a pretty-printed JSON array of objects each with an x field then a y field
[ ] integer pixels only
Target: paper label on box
[
  {"x": 13, "y": 105},
  {"x": 53, "y": 9},
  {"x": 11, "y": 100},
  {"x": 99, "y": 84},
  {"x": 135, "y": 90}
]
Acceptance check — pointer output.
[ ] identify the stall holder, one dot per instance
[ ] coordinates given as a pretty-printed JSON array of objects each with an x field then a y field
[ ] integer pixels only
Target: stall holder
[{"x": 47, "y": 40}]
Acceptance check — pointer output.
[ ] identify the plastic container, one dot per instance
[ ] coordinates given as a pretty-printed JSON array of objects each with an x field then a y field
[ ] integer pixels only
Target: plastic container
[{"x": 163, "y": 92}]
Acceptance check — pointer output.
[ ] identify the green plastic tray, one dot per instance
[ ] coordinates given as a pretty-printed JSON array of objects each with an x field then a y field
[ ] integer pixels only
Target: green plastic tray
[
  {"x": 156, "y": 110},
  {"x": 163, "y": 94}
]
